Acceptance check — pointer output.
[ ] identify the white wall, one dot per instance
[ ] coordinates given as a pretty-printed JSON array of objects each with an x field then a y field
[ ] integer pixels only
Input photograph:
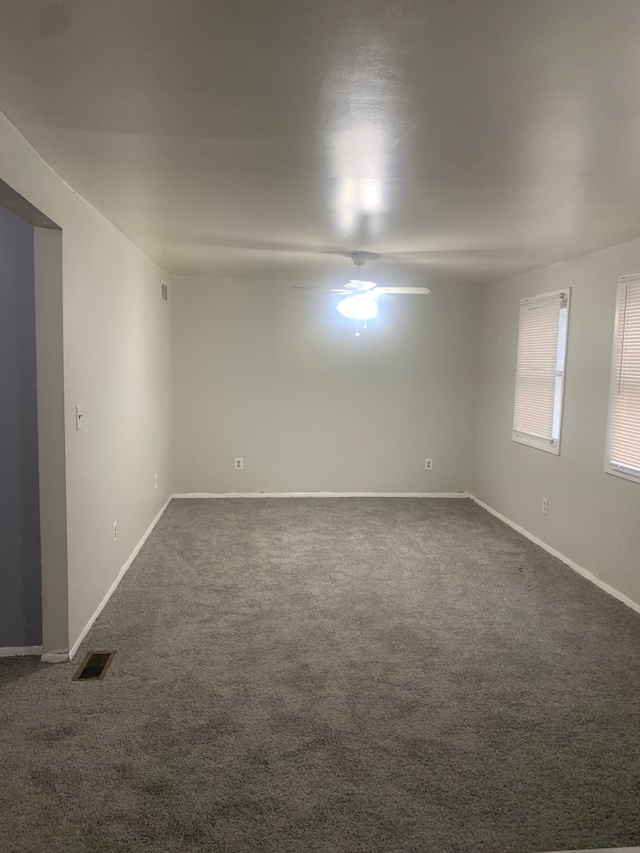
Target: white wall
[
  {"x": 117, "y": 365},
  {"x": 47, "y": 256},
  {"x": 277, "y": 376},
  {"x": 594, "y": 517}
]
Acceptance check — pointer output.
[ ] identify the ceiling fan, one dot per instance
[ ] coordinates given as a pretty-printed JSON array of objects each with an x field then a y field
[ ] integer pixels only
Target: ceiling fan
[
  {"x": 360, "y": 302},
  {"x": 359, "y": 286}
]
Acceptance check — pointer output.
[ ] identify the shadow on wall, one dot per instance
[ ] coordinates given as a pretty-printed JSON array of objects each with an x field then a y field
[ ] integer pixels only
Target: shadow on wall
[{"x": 20, "y": 575}]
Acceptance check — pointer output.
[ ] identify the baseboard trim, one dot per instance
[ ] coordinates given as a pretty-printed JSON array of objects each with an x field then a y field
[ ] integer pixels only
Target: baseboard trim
[
  {"x": 585, "y": 573},
  {"x": 74, "y": 648},
  {"x": 322, "y": 495},
  {"x": 19, "y": 651},
  {"x": 55, "y": 657}
]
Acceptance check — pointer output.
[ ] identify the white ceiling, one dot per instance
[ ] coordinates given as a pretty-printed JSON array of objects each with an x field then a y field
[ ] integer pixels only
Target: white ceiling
[{"x": 466, "y": 138}]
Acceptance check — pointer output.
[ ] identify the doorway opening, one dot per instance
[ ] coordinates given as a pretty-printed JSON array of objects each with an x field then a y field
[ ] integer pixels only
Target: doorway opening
[{"x": 33, "y": 517}]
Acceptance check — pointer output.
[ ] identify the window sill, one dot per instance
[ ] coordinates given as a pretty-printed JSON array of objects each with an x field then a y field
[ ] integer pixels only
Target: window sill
[
  {"x": 617, "y": 472},
  {"x": 539, "y": 445}
]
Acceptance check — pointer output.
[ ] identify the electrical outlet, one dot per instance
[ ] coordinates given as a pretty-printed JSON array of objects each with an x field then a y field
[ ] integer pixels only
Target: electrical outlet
[
  {"x": 545, "y": 506},
  {"x": 428, "y": 464},
  {"x": 156, "y": 481},
  {"x": 115, "y": 530},
  {"x": 238, "y": 463}
]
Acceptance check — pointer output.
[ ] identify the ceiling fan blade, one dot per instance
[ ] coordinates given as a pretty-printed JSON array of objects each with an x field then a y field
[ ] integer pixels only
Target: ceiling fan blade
[
  {"x": 319, "y": 289},
  {"x": 416, "y": 291},
  {"x": 360, "y": 285}
]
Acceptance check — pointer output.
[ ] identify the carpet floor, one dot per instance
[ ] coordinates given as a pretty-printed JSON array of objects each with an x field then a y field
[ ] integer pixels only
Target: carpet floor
[{"x": 342, "y": 675}]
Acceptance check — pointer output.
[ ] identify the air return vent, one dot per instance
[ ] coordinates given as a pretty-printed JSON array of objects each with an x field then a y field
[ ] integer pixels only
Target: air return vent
[
  {"x": 94, "y": 666},
  {"x": 165, "y": 292}
]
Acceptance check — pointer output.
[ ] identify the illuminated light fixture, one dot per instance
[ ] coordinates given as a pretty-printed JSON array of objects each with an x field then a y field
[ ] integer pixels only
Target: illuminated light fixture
[{"x": 359, "y": 307}]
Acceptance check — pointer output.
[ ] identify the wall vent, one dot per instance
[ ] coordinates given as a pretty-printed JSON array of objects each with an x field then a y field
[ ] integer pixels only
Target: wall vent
[
  {"x": 94, "y": 666},
  {"x": 165, "y": 292}
]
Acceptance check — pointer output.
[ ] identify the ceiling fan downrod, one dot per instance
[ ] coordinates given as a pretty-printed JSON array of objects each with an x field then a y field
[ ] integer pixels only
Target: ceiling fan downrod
[{"x": 360, "y": 258}]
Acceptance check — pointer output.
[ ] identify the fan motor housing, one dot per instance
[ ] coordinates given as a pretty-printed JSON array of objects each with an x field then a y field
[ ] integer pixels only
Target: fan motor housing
[{"x": 360, "y": 258}]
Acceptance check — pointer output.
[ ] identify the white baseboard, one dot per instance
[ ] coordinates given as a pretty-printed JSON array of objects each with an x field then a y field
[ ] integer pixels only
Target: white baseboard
[
  {"x": 620, "y": 596},
  {"x": 56, "y": 658},
  {"x": 19, "y": 651},
  {"x": 324, "y": 495}
]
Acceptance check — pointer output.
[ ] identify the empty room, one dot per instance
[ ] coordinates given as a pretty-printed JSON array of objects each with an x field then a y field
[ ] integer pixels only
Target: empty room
[{"x": 319, "y": 426}]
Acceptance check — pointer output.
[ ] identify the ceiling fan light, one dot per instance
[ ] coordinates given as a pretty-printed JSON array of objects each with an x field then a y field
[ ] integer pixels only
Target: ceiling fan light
[{"x": 360, "y": 307}]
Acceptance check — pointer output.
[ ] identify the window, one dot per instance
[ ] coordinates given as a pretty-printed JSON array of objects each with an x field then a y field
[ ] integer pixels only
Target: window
[
  {"x": 542, "y": 348},
  {"x": 623, "y": 441}
]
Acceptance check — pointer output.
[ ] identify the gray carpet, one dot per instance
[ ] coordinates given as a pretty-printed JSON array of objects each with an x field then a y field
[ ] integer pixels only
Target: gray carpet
[{"x": 333, "y": 675}]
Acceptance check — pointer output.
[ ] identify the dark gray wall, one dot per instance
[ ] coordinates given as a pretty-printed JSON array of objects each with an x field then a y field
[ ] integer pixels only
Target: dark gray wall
[{"x": 20, "y": 582}]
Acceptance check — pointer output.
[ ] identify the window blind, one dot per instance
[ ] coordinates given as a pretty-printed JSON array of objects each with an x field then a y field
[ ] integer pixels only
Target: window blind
[
  {"x": 624, "y": 447},
  {"x": 540, "y": 369}
]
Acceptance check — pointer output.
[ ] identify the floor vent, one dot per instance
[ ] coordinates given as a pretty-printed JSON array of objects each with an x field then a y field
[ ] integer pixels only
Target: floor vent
[{"x": 94, "y": 666}]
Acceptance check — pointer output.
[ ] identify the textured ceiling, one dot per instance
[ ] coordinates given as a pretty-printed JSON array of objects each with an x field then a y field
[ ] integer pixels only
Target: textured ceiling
[{"x": 463, "y": 139}]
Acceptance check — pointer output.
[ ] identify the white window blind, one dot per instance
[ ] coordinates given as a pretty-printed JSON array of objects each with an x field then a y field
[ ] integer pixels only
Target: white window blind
[
  {"x": 624, "y": 416},
  {"x": 542, "y": 343}
]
